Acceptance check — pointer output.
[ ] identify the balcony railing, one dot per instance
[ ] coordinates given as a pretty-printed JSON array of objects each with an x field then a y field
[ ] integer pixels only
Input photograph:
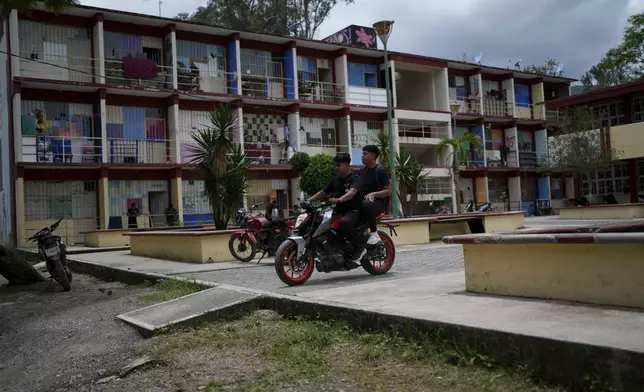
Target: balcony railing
[
  {"x": 137, "y": 71},
  {"x": 62, "y": 149},
  {"x": 202, "y": 80},
  {"x": 367, "y": 96},
  {"x": 468, "y": 105},
  {"x": 418, "y": 133},
  {"x": 435, "y": 186},
  {"x": 264, "y": 86},
  {"x": 498, "y": 108},
  {"x": 321, "y": 92},
  {"x": 268, "y": 153},
  {"x": 55, "y": 67},
  {"x": 139, "y": 151},
  {"x": 497, "y": 159},
  {"x": 531, "y": 160}
]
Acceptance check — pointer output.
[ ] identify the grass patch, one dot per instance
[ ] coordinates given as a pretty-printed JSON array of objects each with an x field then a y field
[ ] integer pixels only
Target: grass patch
[
  {"x": 271, "y": 353},
  {"x": 168, "y": 289}
]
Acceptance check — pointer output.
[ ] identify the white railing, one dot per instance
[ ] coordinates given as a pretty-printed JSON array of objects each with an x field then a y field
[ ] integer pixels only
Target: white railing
[
  {"x": 61, "y": 149},
  {"x": 139, "y": 151},
  {"x": 468, "y": 105},
  {"x": 203, "y": 80},
  {"x": 321, "y": 91},
  {"x": 498, "y": 108},
  {"x": 420, "y": 132},
  {"x": 367, "y": 96},
  {"x": 56, "y": 67},
  {"x": 264, "y": 86}
]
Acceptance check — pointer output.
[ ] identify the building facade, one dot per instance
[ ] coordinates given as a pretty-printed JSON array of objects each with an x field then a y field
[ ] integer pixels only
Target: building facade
[
  {"x": 113, "y": 98},
  {"x": 621, "y": 110}
]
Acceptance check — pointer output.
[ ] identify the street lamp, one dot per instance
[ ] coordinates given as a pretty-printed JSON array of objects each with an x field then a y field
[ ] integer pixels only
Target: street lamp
[
  {"x": 454, "y": 108},
  {"x": 383, "y": 31}
]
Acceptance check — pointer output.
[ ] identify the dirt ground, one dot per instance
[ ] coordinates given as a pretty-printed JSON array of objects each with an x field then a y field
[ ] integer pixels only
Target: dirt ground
[{"x": 55, "y": 341}]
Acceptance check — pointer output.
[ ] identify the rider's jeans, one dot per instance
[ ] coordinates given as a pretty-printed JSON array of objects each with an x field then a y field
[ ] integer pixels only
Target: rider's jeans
[
  {"x": 348, "y": 227},
  {"x": 370, "y": 210}
]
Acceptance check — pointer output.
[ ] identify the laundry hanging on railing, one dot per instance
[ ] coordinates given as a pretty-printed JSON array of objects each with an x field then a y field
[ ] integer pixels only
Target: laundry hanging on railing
[{"x": 137, "y": 68}]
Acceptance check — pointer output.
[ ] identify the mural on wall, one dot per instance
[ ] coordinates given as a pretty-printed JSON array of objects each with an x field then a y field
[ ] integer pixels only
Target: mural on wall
[{"x": 359, "y": 36}]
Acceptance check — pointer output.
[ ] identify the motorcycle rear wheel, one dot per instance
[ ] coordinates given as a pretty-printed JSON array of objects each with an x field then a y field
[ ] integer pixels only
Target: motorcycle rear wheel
[
  {"x": 286, "y": 257},
  {"x": 233, "y": 250},
  {"x": 61, "y": 274},
  {"x": 383, "y": 267}
]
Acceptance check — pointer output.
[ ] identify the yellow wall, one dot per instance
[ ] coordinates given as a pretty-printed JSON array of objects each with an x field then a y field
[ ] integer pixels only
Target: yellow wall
[
  {"x": 627, "y": 140},
  {"x": 409, "y": 233},
  {"x": 481, "y": 190},
  {"x": 605, "y": 274},
  {"x": 192, "y": 249},
  {"x": 538, "y": 95},
  {"x": 65, "y": 230},
  {"x": 603, "y": 212}
]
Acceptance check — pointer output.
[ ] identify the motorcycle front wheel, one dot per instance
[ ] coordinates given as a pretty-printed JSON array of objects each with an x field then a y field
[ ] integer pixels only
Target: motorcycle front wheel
[
  {"x": 291, "y": 270},
  {"x": 242, "y": 250},
  {"x": 61, "y": 274}
]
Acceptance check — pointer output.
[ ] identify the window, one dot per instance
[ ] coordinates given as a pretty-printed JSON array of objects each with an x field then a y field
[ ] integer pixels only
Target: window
[
  {"x": 610, "y": 113},
  {"x": 638, "y": 108},
  {"x": 526, "y": 141},
  {"x": 611, "y": 179},
  {"x": 307, "y": 69},
  {"x": 457, "y": 87},
  {"x": 522, "y": 95},
  {"x": 363, "y": 75}
]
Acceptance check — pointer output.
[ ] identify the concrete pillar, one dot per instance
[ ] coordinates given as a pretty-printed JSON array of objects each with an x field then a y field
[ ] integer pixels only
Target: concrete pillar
[
  {"x": 14, "y": 43},
  {"x": 341, "y": 68},
  {"x": 392, "y": 67},
  {"x": 173, "y": 127},
  {"x": 538, "y": 98},
  {"x": 238, "y": 128},
  {"x": 512, "y": 141},
  {"x": 290, "y": 72},
  {"x": 103, "y": 202},
  {"x": 173, "y": 43},
  {"x": 441, "y": 91},
  {"x": 508, "y": 86},
  {"x": 99, "y": 49},
  {"x": 233, "y": 57},
  {"x": 17, "y": 126},
  {"x": 20, "y": 211},
  {"x": 103, "y": 116},
  {"x": 293, "y": 120},
  {"x": 176, "y": 195},
  {"x": 345, "y": 135},
  {"x": 478, "y": 83},
  {"x": 514, "y": 191},
  {"x": 482, "y": 194}
]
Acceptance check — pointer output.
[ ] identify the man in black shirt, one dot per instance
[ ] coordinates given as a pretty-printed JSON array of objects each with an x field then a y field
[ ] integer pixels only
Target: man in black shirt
[
  {"x": 344, "y": 191},
  {"x": 375, "y": 185}
]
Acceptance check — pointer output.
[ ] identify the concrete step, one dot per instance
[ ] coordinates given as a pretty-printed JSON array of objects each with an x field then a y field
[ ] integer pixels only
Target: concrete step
[{"x": 205, "y": 305}]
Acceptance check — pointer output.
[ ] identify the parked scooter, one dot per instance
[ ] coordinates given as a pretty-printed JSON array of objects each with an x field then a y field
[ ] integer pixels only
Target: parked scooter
[{"x": 54, "y": 252}]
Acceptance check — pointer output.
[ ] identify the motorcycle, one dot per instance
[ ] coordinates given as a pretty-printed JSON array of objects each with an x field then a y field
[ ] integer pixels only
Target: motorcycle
[
  {"x": 257, "y": 234},
  {"x": 54, "y": 251},
  {"x": 318, "y": 244}
]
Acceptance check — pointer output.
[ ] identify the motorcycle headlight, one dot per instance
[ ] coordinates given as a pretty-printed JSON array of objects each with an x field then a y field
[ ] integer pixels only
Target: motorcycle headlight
[{"x": 299, "y": 220}]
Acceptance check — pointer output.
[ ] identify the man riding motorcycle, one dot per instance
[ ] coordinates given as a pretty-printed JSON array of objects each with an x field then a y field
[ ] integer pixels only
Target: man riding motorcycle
[{"x": 344, "y": 191}]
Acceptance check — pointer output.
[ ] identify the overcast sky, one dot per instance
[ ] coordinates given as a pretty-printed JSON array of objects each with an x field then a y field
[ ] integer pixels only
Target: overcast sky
[{"x": 575, "y": 32}]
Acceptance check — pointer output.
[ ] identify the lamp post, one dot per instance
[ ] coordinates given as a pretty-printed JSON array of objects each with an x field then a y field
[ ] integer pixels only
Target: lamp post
[
  {"x": 454, "y": 108},
  {"x": 383, "y": 31}
]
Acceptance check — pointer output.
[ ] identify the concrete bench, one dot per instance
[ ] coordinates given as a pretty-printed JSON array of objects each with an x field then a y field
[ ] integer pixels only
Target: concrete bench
[
  {"x": 603, "y": 268},
  {"x": 186, "y": 246},
  {"x": 114, "y": 237},
  {"x": 603, "y": 211},
  {"x": 422, "y": 229}
]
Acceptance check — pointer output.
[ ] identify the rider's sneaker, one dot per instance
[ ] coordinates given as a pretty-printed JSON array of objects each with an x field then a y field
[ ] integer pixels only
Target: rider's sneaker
[
  {"x": 374, "y": 238},
  {"x": 358, "y": 254}
]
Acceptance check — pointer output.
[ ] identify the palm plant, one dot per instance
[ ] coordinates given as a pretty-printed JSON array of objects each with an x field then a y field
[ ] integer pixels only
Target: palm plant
[
  {"x": 410, "y": 176},
  {"x": 223, "y": 165},
  {"x": 454, "y": 149}
]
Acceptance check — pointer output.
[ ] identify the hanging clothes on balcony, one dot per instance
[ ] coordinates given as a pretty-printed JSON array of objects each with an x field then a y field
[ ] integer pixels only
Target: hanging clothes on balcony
[{"x": 136, "y": 68}]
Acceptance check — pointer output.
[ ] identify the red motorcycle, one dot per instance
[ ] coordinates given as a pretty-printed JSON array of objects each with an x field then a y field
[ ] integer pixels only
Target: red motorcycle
[{"x": 258, "y": 234}]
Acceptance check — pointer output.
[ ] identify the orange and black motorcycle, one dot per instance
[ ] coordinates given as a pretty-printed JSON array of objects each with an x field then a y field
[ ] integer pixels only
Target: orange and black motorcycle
[{"x": 317, "y": 244}]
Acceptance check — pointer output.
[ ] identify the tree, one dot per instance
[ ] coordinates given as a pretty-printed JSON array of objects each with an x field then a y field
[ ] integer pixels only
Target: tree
[
  {"x": 550, "y": 67},
  {"x": 454, "y": 150},
  {"x": 52, "y": 5},
  {"x": 578, "y": 144},
  {"x": 410, "y": 176},
  {"x": 300, "y": 161},
  {"x": 280, "y": 17},
  {"x": 623, "y": 63},
  {"x": 318, "y": 174},
  {"x": 224, "y": 166}
]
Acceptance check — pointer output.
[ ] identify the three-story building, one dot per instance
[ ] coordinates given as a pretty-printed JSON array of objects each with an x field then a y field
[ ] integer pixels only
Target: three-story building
[{"x": 101, "y": 106}]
